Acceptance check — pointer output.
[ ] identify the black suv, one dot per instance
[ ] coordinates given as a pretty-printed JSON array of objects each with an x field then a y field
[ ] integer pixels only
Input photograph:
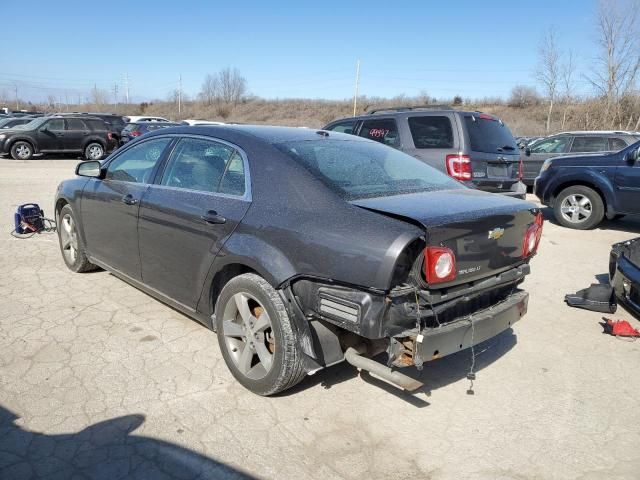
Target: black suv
[
  {"x": 83, "y": 134},
  {"x": 115, "y": 123},
  {"x": 475, "y": 148}
]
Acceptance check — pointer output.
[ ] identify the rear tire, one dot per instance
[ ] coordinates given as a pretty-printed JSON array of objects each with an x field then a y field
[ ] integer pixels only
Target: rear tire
[
  {"x": 94, "y": 151},
  {"x": 257, "y": 338},
  {"x": 579, "y": 207},
  {"x": 71, "y": 244},
  {"x": 21, "y": 150}
]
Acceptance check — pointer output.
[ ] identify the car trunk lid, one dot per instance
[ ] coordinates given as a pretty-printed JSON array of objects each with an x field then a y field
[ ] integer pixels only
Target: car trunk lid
[{"x": 485, "y": 231}]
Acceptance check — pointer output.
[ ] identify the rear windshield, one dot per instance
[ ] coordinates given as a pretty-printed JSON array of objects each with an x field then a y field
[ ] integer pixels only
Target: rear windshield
[
  {"x": 489, "y": 135},
  {"x": 130, "y": 127},
  {"x": 356, "y": 169}
]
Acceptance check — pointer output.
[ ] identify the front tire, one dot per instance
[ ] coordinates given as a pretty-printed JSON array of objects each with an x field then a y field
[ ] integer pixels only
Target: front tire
[
  {"x": 257, "y": 338},
  {"x": 71, "y": 244},
  {"x": 94, "y": 151},
  {"x": 579, "y": 207},
  {"x": 21, "y": 151}
]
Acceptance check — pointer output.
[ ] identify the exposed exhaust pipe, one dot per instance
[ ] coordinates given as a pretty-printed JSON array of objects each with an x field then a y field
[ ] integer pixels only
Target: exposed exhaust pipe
[{"x": 401, "y": 380}]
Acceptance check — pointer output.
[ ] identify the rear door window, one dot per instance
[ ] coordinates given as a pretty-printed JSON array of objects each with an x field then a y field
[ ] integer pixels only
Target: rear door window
[
  {"x": 431, "y": 132},
  {"x": 489, "y": 135},
  {"x": 205, "y": 166},
  {"x": 75, "y": 124},
  {"x": 589, "y": 144},
  {"x": 343, "y": 127},
  {"x": 383, "y": 130},
  {"x": 616, "y": 144}
]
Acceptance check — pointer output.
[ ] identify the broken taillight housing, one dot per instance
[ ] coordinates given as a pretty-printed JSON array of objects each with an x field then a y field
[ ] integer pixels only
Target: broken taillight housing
[
  {"x": 439, "y": 264},
  {"x": 459, "y": 166},
  {"x": 532, "y": 236}
]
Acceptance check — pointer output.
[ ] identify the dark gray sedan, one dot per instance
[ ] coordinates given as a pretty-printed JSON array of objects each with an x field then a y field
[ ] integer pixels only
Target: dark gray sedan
[{"x": 302, "y": 248}]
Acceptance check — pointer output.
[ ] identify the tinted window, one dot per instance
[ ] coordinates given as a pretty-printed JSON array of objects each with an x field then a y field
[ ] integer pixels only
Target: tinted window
[
  {"x": 233, "y": 179},
  {"x": 55, "y": 124},
  {"x": 131, "y": 127},
  {"x": 360, "y": 169},
  {"x": 382, "y": 130},
  {"x": 489, "y": 135},
  {"x": 96, "y": 124},
  {"x": 551, "y": 145},
  {"x": 431, "y": 132},
  {"x": 136, "y": 163},
  {"x": 75, "y": 124},
  {"x": 589, "y": 144},
  {"x": 197, "y": 165},
  {"x": 616, "y": 144},
  {"x": 343, "y": 127}
]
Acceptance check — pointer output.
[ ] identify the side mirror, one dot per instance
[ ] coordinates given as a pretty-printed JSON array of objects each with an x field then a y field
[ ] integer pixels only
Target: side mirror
[
  {"x": 90, "y": 168},
  {"x": 527, "y": 151}
]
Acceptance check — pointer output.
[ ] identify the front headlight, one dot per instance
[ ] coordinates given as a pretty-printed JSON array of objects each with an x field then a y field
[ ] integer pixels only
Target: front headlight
[
  {"x": 546, "y": 165},
  {"x": 2, "y": 136}
]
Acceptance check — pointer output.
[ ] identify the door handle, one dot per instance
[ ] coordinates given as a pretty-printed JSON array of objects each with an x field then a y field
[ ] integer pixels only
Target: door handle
[
  {"x": 213, "y": 218},
  {"x": 129, "y": 200}
]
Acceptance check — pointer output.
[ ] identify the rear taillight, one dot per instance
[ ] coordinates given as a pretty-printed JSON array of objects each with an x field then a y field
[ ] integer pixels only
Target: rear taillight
[
  {"x": 520, "y": 170},
  {"x": 459, "y": 166},
  {"x": 532, "y": 237},
  {"x": 110, "y": 135},
  {"x": 134, "y": 134},
  {"x": 439, "y": 265}
]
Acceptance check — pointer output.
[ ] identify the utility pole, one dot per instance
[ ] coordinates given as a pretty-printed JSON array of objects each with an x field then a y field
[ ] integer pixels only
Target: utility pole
[
  {"x": 179, "y": 94},
  {"x": 126, "y": 87},
  {"x": 115, "y": 94},
  {"x": 16, "y": 91},
  {"x": 355, "y": 96}
]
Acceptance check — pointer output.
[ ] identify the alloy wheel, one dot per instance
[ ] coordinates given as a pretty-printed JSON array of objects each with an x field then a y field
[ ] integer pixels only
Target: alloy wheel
[
  {"x": 95, "y": 152},
  {"x": 576, "y": 208},
  {"x": 23, "y": 151},
  {"x": 69, "y": 239},
  {"x": 248, "y": 335}
]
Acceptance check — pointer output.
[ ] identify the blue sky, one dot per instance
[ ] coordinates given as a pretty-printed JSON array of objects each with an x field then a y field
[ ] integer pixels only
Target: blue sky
[{"x": 286, "y": 49}]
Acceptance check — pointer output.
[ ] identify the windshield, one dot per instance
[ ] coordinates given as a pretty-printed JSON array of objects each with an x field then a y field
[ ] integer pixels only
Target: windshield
[
  {"x": 488, "y": 135},
  {"x": 357, "y": 169},
  {"x": 35, "y": 123}
]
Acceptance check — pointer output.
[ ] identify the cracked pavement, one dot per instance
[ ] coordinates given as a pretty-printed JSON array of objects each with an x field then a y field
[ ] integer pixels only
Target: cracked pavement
[{"x": 99, "y": 380}]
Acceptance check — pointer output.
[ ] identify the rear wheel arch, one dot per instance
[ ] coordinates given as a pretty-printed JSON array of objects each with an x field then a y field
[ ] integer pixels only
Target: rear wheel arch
[{"x": 224, "y": 276}]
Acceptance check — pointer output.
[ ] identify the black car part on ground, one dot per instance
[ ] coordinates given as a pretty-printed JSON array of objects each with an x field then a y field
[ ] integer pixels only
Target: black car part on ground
[
  {"x": 597, "y": 298},
  {"x": 624, "y": 273}
]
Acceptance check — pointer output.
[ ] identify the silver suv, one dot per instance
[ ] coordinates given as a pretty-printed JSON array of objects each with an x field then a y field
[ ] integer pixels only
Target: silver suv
[{"x": 473, "y": 147}]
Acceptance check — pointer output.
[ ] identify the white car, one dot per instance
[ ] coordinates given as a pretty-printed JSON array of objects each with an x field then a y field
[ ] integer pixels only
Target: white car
[
  {"x": 144, "y": 118},
  {"x": 193, "y": 122}
]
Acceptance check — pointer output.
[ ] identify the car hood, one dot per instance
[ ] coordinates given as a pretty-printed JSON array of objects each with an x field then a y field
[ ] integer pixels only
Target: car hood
[
  {"x": 444, "y": 206},
  {"x": 583, "y": 160}
]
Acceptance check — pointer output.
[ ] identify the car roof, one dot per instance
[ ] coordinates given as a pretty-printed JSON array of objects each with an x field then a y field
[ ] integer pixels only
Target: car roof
[
  {"x": 598, "y": 132},
  {"x": 267, "y": 133},
  {"x": 411, "y": 111}
]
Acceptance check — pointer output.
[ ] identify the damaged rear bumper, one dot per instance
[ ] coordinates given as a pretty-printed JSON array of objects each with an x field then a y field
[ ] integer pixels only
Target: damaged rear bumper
[{"x": 433, "y": 343}]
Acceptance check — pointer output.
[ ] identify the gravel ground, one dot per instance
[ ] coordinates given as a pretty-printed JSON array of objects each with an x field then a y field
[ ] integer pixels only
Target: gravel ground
[{"x": 99, "y": 380}]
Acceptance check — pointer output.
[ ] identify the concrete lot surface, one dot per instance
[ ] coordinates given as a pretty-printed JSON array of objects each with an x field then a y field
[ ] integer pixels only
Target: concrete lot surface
[{"x": 99, "y": 380}]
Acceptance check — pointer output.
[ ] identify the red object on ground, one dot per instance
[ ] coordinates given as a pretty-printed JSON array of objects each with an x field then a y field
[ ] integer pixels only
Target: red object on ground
[{"x": 622, "y": 328}]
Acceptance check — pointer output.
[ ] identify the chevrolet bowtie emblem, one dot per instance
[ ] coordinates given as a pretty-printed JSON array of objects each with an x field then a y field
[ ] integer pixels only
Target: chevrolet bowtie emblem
[{"x": 496, "y": 233}]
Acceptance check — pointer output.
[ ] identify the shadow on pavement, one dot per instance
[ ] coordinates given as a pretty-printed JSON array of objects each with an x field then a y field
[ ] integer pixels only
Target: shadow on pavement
[
  {"x": 106, "y": 450},
  {"x": 434, "y": 375},
  {"x": 628, "y": 223}
]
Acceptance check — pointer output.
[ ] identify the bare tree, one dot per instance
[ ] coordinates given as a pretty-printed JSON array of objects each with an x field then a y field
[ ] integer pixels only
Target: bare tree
[
  {"x": 209, "y": 89},
  {"x": 227, "y": 86},
  {"x": 567, "y": 72},
  {"x": 618, "y": 61},
  {"x": 523, "y": 96},
  {"x": 548, "y": 69}
]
